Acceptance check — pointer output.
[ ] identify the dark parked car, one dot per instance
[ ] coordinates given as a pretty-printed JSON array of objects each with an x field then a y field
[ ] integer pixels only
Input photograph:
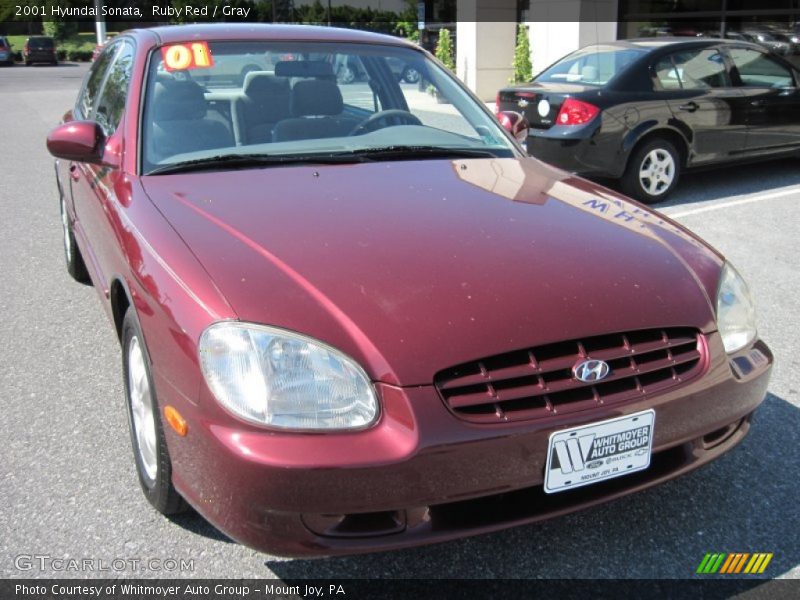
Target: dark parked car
[
  {"x": 365, "y": 325},
  {"x": 39, "y": 49},
  {"x": 643, "y": 110},
  {"x": 770, "y": 41},
  {"x": 6, "y": 52},
  {"x": 350, "y": 71}
]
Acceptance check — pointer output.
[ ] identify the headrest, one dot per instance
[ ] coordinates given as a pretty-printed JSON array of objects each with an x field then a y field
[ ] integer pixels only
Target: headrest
[
  {"x": 304, "y": 68},
  {"x": 261, "y": 83},
  {"x": 316, "y": 97},
  {"x": 178, "y": 101}
]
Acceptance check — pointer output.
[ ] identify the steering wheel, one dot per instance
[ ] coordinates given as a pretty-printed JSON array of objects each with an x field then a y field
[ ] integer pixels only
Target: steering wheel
[{"x": 371, "y": 122}]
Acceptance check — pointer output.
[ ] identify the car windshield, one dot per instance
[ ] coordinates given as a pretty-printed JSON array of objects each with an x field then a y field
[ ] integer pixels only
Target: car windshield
[
  {"x": 228, "y": 102},
  {"x": 593, "y": 65}
]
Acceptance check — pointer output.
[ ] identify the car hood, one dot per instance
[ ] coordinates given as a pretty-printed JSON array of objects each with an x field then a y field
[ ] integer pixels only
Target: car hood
[{"x": 415, "y": 266}]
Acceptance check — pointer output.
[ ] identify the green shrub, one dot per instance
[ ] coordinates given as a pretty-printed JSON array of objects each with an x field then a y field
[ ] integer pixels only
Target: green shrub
[
  {"x": 78, "y": 55},
  {"x": 61, "y": 54},
  {"x": 444, "y": 49},
  {"x": 523, "y": 70}
]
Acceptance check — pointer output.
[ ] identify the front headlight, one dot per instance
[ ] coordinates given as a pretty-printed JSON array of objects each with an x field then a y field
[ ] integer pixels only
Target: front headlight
[
  {"x": 282, "y": 379},
  {"x": 736, "y": 313}
]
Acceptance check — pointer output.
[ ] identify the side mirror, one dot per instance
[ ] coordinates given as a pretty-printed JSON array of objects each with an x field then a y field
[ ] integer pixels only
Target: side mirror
[
  {"x": 515, "y": 124},
  {"x": 81, "y": 141}
]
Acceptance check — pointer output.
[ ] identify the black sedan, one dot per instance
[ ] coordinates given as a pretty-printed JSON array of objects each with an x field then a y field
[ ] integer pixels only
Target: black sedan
[{"x": 643, "y": 110}]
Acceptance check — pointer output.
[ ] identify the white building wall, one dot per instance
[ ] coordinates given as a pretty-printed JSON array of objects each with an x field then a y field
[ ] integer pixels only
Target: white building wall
[{"x": 485, "y": 40}]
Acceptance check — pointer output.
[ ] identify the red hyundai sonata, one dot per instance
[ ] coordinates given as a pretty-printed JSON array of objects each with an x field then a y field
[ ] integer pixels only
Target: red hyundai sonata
[{"x": 355, "y": 318}]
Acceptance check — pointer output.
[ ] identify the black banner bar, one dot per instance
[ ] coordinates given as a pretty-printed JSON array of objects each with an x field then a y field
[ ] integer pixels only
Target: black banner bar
[{"x": 711, "y": 588}]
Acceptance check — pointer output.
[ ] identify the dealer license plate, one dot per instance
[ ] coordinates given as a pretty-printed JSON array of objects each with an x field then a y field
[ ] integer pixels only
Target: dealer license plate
[{"x": 599, "y": 451}]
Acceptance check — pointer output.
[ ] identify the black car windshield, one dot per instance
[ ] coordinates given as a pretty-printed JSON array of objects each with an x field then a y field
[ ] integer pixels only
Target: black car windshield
[
  {"x": 592, "y": 65},
  {"x": 302, "y": 100},
  {"x": 40, "y": 43}
]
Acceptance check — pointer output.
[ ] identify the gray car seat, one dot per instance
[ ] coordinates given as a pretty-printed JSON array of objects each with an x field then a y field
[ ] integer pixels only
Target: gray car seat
[
  {"x": 316, "y": 106},
  {"x": 180, "y": 123},
  {"x": 266, "y": 101}
]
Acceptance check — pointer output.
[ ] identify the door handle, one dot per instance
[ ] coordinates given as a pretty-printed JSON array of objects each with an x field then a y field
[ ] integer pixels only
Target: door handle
[
  {"x": 690, "y": 107},
  {"x": 757, "y": 103},
  {"x": 74, "y": 172}
]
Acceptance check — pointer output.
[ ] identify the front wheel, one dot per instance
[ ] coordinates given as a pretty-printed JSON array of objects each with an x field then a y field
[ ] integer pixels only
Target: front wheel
[
  {"x": 72, "y": 255},
  {"x": 150, "y": 452},
  {"x": 652, "y": 172}
]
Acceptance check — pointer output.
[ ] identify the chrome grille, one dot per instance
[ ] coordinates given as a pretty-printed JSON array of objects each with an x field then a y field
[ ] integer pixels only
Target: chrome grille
[{"x": 539, "y": 382}]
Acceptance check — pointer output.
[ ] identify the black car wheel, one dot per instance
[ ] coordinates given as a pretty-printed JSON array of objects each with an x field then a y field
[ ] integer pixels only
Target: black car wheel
[
  {"x": 150, "y": 452},
  {"x": 72, "y": 254},
  {"x": 410, "y": 75},
  {"x": 652, "y": 172},
  {"x": 346, "y": 75}
]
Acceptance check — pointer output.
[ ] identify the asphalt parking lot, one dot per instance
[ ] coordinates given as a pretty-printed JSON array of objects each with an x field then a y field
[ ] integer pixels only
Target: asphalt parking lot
[{"x": 69, "y": 487}]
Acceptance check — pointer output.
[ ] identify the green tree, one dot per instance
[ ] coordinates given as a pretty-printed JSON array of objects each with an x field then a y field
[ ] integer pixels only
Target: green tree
[
  {"x": 444, "y": 49},
  {"x": 407, "y": 25},
  {"x": 523, "y": 70},
  {"x": 60, "y": 30}
]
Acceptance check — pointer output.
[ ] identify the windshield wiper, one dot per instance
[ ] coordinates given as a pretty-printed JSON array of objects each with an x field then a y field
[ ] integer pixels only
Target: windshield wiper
[
  {"x": 399, "y": 152},
  {"x": 249, "y": 161}
]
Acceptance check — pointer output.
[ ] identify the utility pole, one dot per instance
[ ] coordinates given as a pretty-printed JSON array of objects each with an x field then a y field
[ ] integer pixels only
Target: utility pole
[{"x": 100, "y": 22}]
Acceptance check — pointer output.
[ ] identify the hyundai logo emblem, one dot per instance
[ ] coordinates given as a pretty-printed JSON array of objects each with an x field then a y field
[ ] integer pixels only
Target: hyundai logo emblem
[{"x": 591, "y": 370}]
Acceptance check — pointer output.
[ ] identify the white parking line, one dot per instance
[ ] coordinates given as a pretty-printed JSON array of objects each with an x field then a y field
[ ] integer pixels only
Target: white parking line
[{"x": 794, "y": 190}]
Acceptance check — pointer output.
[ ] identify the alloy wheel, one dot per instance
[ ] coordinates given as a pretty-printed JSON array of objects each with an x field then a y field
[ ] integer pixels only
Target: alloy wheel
[
  {"x": 65, "y": 227},
  {"x": 657, "y": 171},
  {"x": 141, "y": 400}
]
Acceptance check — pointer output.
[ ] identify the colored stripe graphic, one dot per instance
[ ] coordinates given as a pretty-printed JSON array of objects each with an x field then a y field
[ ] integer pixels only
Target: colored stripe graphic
[
  {"x": 734, "y": 562},
  {"x": 729, "y": 562}
]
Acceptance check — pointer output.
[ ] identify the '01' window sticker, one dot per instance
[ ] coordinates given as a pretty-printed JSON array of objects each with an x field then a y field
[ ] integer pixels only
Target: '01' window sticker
[{"x": 194, "y": 55}]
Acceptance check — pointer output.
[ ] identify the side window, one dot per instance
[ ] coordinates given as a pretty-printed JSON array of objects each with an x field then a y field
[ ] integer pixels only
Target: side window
[
  {"x": 699, "y": 69},
  {"x": 667, "y": 74},
  {"x": 111, "y": 103},
  {"x": 97, "y": 73},
  {"x": 760, "y": 70}
]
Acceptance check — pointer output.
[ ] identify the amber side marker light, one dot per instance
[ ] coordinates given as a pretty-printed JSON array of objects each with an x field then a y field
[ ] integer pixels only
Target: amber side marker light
[{"x": 176, "y": 421}]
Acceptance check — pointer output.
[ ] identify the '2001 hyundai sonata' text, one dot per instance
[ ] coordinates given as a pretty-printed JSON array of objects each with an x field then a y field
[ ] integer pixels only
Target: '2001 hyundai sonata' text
[{"x": 354, "y": 319}]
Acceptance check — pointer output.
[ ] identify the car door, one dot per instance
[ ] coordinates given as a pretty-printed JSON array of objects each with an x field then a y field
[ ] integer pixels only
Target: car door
[
  {"x": 93, "y": 185},
  {"x": 771, "y": 91},
  {"x": 704, "y": 104}
]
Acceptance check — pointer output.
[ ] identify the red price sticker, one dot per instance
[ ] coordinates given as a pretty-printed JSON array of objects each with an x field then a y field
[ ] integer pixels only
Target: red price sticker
[{"x": 194, "y": 55}]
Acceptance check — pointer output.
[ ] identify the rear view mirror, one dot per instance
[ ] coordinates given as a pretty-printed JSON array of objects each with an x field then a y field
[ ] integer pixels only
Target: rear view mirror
[
  {"x": 81, "y": 141},
  {"x": 515, "y": 124}
]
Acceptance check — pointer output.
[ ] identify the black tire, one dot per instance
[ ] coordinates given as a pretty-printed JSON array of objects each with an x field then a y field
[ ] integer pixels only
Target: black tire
[
  {"x": 411, "y": 75},
  {"x": 661, "y": 160},
  {"x": 346, "y": 75},
  {"x": 158, "y": 489},
  {"x": 72, "y": 254}
]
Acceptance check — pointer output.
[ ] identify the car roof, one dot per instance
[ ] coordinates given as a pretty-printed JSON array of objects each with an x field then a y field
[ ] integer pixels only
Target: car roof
[
  {"x": 259, "y": 31},
  {"x": 658, "y": 43}
]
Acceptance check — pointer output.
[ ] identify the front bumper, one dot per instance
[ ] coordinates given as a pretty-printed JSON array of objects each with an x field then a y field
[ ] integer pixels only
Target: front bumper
[{"x": 421, "y": 475}]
